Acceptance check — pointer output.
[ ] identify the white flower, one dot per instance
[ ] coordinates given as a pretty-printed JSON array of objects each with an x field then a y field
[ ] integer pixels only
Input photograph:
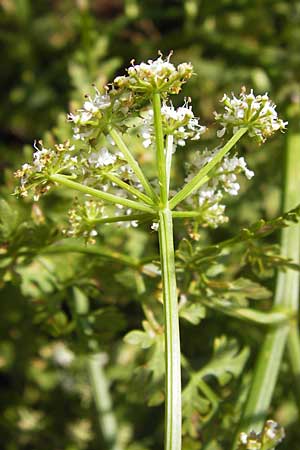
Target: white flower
[
  {"x": 243, "y": 438},
  {"x": 158, "y": 75},
  {"x": 102, "y": 158},
  {"x": 178, "y": 122},
  {"x": 62, "y": 355},
  {"x": 155, "y": 226},
  {"x": 40, "y": 157},
  {"x": 227, "y": 173},
  {"x": 257, "y": 113},
  {"x": 87, "y": 118},
  {"x": 224, "y": 181},
  {"x": 157, "y": 69}
]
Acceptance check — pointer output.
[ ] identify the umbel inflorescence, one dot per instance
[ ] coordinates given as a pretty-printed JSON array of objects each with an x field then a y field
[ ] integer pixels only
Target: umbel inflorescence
[
  {"x": 271, "y": 435},
  {"x": 99, "y": 161}
]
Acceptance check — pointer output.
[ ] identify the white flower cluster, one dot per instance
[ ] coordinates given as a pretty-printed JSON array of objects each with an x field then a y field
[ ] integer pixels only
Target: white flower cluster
[
  {"x": 178, "y": 122},
  {"x": 90, "y": 115},
  {"x": 101, "y": 158},
  {"x": 44, "y": 162},
  {"x": 270, "y": 437},
  {"x": 207, "y": 199},
  {"x": 155, "y": 75},
  {"x": 110, "y": 163},
  {"x": 257, "y": 113},
  {"x": 83, "y": 219}
]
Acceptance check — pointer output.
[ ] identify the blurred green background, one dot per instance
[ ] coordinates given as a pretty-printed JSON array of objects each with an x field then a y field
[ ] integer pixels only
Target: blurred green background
[{"x": 51, "y": 53}]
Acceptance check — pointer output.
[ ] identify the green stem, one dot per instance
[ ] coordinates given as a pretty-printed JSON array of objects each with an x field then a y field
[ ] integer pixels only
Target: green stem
[
  {"x": 102, "y": 399},
  {"x": 62, "y": 179},
  {"x": 185, "y": 214},
  {"x": 171, "y": 316},
  {"x": 172, "y": 339},
  {"x": 127, "y": 187},
  {"x": 123, "y": 218},
  {"x": 291, "y": 242},
  {"x": 293, "y": 348},
  {"x": 264, "y": 381},
  {"x": 99, "y": 383},
  {"x": 132, "y": 162},
  {"x": 201, "y": 176},
  {"x": 287, "y": 289},
  {"x": 271, "y": 319},
  {"x": 94, "y": 250},
  {"x": 169, "y": 153},
  {"x": 160, "y": 149}
]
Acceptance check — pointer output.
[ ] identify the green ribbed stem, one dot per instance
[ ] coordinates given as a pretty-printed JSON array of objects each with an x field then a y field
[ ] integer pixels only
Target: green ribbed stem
[
  {"x": 160, "y": 149},
  {"x": 291, "y": 242},
  {"x": 114, "y": 199},
  {"x": 116, "y": 136},
  {"x": 287, "y": 293},
  {"x": 172, "y": 339},
  {"x": 167, "y": 259}
]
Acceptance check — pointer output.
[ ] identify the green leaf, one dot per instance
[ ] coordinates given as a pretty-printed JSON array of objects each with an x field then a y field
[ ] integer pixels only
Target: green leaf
[
  {"x": 9, "y": 218},
  {"x": 140, "y": 338},
  {"x": 194, "y": 407},
  {"x": 192, "y": 312},
  {"x": 227, "y": 360},
  {"x": 243, "y": 288},
  {"x": 258, "y": 230}
]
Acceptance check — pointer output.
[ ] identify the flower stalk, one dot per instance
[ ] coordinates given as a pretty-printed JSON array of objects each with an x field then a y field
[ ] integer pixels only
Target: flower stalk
[
  {"x": 203, "y": 174},
  {"x": 171, "y": 317},
  {"x": 131, "y": 189},
  {"x": 65, "y": 181},
  {"x": 160, "y": 150},
  {"x": 132, "y": 162}
]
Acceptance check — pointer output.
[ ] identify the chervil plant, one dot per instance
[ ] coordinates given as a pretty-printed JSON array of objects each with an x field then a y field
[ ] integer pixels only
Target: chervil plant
[{"x": 99, "y": 164}]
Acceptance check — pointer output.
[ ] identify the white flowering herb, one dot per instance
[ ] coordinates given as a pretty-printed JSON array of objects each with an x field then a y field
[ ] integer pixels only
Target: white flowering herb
[
  {"x": 177, "y": 122},
  {"x": 257, "y": 113},
  {"x": 100, "y": 165},
  {"x": 158, "y": 75},
  {"x": 271, "y": 435}
]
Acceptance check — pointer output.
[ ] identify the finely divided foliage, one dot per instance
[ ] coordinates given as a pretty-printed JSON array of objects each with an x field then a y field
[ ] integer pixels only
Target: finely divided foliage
[{"x": 98, "y": 163}]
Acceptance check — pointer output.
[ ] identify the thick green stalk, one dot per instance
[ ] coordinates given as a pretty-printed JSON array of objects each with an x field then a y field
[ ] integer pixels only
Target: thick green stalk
[
  {"x": 172, "y": 339},
  {"x": 171, "y": 317},
  {"x": 287, "y": 291},
  {"x": 291, "y": 241},
  {"x": 160, "y": 149},
  {"x": 64, "y": 180},
  {"x": 293, "y": 348},
  {"x": 201, "y": 176},
  {"x": 99, "y": 383},
  {"x": 132, "y": 162}
]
